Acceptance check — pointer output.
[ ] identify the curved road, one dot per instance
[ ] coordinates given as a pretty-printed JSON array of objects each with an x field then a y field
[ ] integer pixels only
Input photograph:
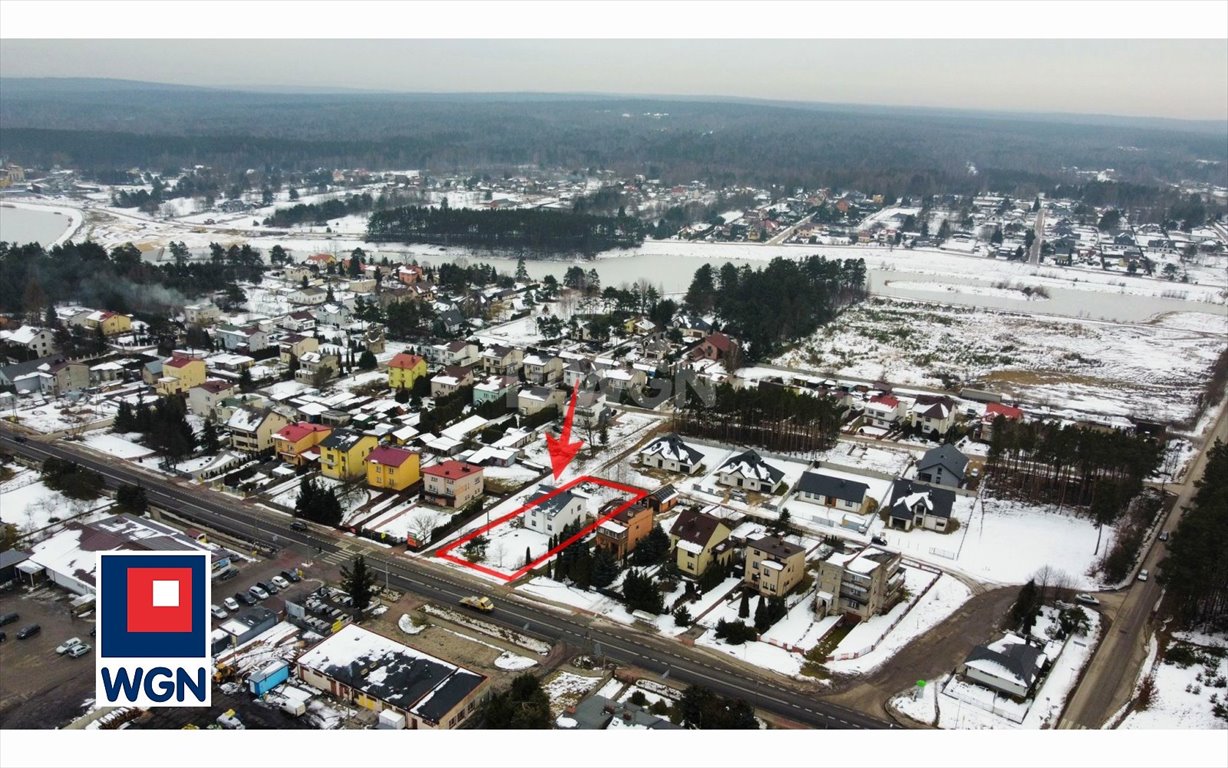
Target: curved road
[{"x": 445, "y": 585}]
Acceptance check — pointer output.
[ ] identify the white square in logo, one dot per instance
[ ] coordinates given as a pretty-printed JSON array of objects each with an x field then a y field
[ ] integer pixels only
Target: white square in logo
[{"x": 166, "y": 594}]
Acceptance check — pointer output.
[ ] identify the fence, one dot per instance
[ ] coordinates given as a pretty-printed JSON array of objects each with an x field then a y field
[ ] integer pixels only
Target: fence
[{"x": 863, "y": 651}]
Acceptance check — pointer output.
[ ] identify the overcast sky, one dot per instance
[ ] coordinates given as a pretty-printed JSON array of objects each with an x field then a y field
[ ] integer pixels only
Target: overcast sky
[{"x": 1161, "y": 78}]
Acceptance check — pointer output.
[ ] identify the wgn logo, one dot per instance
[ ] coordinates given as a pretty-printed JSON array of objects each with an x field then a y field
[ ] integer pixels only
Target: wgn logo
[{"x": 153, "y": 639}]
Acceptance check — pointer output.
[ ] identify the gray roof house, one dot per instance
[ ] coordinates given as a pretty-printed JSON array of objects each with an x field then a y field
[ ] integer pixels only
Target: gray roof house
[
  {"x": 748, "y": 470},
  {"x": 916, "y": 504},
  {"x": 551, "y": 515},
  {"x": 1009, "y": 666},
  {"x": 832, "y": 491},
  {"x": 671, "y": 453},
  {"x": 943, "y": 465}
]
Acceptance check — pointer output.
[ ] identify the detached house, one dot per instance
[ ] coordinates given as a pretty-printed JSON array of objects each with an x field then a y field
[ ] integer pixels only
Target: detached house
[
  {"x": 1010, "y": 666},
  {"x": 698, "y": 540},
  {"x": 992, "y": 412},
  {"x": 204, "y": 397},
  {"x": 252, "y": 431},
  {"x": 404, "y": 369},
  {"x": 749, "y": 471},
  {"x": 884, "y": 411},
  {"x": 179, "y": 374},
  {"x": 943, "y": 465},
  {"x": 624, "y": 531},
  {"x": 343, "y": 453},
  {"x": 501, "y": 359},
  {"x": 494, "y": 388},
  {"x": 296, "y": 443},
  {"x": 450, "y": 379},
  {"x": 534, "y": 399},
  {"x": 774, "y": 566},
  {"x": 391, "y": 468},
  {"x": 835, "y": 492},
  {"x": 551, "y": 515},
  {"x": 934, "y": 414},
  {"x": 541, "y": 368},
  {"x": 451, "y": 484},
  {"x": 296, "y": 345},
  {"x": 918, "y": 505},
  {"x": 716, "y": 346},
  {"x": 670, "y": 453},
  {"x": 33, "y": 342},
  {"x": 864, "y": 584}
]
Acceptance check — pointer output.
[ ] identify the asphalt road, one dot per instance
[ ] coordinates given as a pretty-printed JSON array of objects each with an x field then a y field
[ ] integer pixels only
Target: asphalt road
[
  {"x": 447, "y": 586},
  {"x": 1109, "y": 680},
  {"x": 1034, "y": 257}
]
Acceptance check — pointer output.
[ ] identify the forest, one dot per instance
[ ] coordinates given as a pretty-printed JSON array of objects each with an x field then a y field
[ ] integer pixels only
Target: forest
[
  {"x": 803, "y": 295},
  {"x": 910, "y": 151},
  {"x": 1196, "y": 569},
  {"x": 774, "y": 418},
  {"x": 528, "y": 231}
]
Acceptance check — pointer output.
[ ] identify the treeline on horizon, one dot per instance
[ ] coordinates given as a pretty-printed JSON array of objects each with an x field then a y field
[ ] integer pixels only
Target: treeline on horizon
[
  {"x": 535, "y": 230},
  {"x": 722, "y": 144}
]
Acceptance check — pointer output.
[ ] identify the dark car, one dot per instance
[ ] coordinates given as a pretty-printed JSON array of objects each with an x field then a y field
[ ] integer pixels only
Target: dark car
[
  {"x": 19, "y": 438},
  {"x": 8, "y": 618},
  {"x": 245, "y": 598},
  {"x": 228, "y": 574},
  {"x": 298, "y": 525},
  {"x": 29, "y": 630},
  {"x": 267, "y": 587},
  {"x": 291, "y": 576},
  {"x": 879, "y": 540}
]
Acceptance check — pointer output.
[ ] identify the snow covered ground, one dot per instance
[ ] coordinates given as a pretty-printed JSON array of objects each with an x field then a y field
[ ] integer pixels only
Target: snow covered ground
[
  {"x": 565, "y": 689},
  {"x": 1153, "y": 371},
  {"x": 1186, "y": 697},
  {"x": 117, "y": 446},
  {"x": 31, "y": 506}
]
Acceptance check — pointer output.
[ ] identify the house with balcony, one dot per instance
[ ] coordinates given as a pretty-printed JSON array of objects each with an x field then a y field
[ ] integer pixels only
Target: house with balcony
[
  {"x": 549, "y": 514},
  {"x": 621, "y": 533},
  {"x": 749, "y": 471},
  {"x": 818, "y": 487},
  {"x": 501, "y": 359},
  {"x": 452, "y": 484},
  {"x": 671, "y": 453},
  {"x": 933, "y": 414},
  {"x": 392, "y": 469},
  {"x": 542, "y": 368},
  {"x": 591, "y": 410},
  {"x": 863, "y": 584},
  {"x": 297, "y": 444},
  {"x": 917, "y": 505},
  {"x": 295, "y": 345},
  {"x": 698, "y": 540},
  {"x": 344, "y": 452},
  {"x": 773, "y": 566},
  {"x": 252, "y": 429}
]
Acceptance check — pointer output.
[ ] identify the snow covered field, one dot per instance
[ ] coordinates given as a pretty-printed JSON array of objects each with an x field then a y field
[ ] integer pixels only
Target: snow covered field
[
  {"x": 1153, "y": 371},
  {"x": 1185, "y": 697},
  {"x": 31, "y": 506}
]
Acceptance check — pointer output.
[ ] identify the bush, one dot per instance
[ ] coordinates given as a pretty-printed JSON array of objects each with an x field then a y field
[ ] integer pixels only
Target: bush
[
  {"x": 735, "y": 632},
  {"x": 682, "y": 617},
  {"x": 638, "y": 699}
]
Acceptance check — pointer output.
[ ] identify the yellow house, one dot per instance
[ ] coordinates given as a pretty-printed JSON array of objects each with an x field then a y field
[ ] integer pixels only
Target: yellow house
[
  {"x": 179, "y": 374},
  {"x": 294, "y": 440},
  {"x": 404, "y": 370},
  {"x": 112, "y": 323},
  {"x": 698, "y": 541},
  {"x": 394, "y": 469},
  {"x": 343, "y": 454}
]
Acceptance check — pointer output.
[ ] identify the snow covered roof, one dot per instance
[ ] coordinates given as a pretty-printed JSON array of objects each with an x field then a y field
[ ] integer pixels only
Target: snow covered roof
[
  {"x": 1009, "y": 658},
  {"x": 671, "y": 448},
  {"x": 906, "y": 494},
  {"x": 750, "y": 464}
]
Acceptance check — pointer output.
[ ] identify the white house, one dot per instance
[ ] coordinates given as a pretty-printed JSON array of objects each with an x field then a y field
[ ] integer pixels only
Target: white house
[
  {"x": 670, "y": 453},
  {"x": 551, "y": 515},
  {"x": 836, "y": 492},
  {"x": 748, "y": 470}
]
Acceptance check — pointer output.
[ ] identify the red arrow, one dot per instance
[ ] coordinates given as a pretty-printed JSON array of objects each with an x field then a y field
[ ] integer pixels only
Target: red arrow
[{"x": 562, "y": 450}]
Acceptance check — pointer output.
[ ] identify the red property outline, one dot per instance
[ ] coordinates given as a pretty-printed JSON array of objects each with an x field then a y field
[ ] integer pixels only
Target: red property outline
[{"x": 637, "y": 494}]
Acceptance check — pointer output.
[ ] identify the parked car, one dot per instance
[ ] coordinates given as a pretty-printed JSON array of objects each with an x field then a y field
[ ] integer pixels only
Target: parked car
[
  {"x": 280, "y": 582},
  {"x": 298, "y": 525},
  {"x": 30, "y": 630},
  {"x": 1163, "y": 535},
  {"x": 231, "y": 604},
  {"x": 257, "y": 592},
  {"x": 67, "y": 645},
  {"x": 8, "y": 618},
  {"x": 879, "y": 540},
  {"x": 291, "y": 576},
  {"x": 77, "y": 651},
  {"x": 1086, "y": 599},
  {"x": 1142, "y": 575},
  {"x": 228, "y": 574},
  {"x": 218, "y": 611},
  {"x": 245, "y": 598}
]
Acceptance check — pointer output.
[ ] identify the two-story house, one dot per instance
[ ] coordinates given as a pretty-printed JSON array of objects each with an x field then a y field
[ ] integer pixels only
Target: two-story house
[
  {"x": 253, "y": 430},
  {"x": 621, "y": 533},
  {"x": 671, "y": 453},
  {"x": 934, "y": 414},
  {"x": 451, "y": 484},
  {"x": 179, "y": 374},
  {"x": 533, "y": 399},
  {"x": 404, "y": 369},
  {"x": 916, "y": 505},
  {"x": 450, "y": 379},
  {"x": 749, "y": 471},
  {"x": 943, "y": 465},
  {"x": 297, "y": 443},
  {"x": 501, "y": 359},
  {"x": 542, "y": 368},
  {"x": 204, "y": 397},
  {"x": 551, "y": 510},
  {"x": 392, "y": 468},
  {"x": 773, "y": 566},
  {"x": 865, "y": 583},
  {"x": 698, "y": 540}
]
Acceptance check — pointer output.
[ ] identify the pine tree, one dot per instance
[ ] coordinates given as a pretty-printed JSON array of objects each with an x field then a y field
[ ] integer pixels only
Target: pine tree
[
  {"x": 208, "y": 438},
  {"x": 605, "y": 568},
  {"x": 528, "y": 558},
  {"x": 358, "y": 583},
  {"x": 402, "y": 395},
  {"x": 125, "y": 421},
  {"x": 245, "y": 381},
  {"x": 366, "y": 361},
  {"x": 744, "y": 606},
  {"x": 761, "y": 620}
]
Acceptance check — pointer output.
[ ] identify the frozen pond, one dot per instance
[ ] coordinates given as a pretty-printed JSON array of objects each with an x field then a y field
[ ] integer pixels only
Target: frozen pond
[{"x": 27, "y": 225}]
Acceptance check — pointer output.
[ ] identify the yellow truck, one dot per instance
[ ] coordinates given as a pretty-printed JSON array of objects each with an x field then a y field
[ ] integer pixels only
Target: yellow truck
[{"x": 482, "y": 604}]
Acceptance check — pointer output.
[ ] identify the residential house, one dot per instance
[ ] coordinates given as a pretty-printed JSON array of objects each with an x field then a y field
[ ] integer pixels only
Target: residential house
[
  {"x": 992, "y": 412},
  {"x": 550, "y": 514},
  {"x": 179, "y": 374},
  {"x": 295, "y": 345},
  {"x": 619, "y": 379},
  {"x": 699, "y": 539},
  {"x": 253, "y": 430},
  {"x": 343, "y": 453},
  {"x": 1010, "y": 665},
  {"x": 835, "y": 492},
  {"x": 69, "y": 376},
  {"x": 534, "y": 399},
  {"x": 943, "y": 465},
  {"x": 749, "y": 471},
  {"x": 542, "y": 368},
  {"x": 591, "y": 410},
  {"x": 32, "y": 342},
  {"x": 404, "y": 369},
  {"x": 111, "y": 323},
  {"x": 298, "y": 322},
  {"x": 865, "y": 583},
  {"x": 670, "y": 453},
  {"x": 914, "y": 504},
  {"x": 201, "y": 314},
  {"x": 502, "y": 359},
  {"x": 451, "y": 484},
  {"x": 309, "y": 296},
  {"x": 451, "y": 379},
  {"x": 934, "y": 414},
  {"x": 494, "y": 388},
  {"x": 883, "y": 411},
  {"x": 715, "y": 346},
  {"x": 297, "y": 443},
  {"x": 204, "y": 397},
  {"x": 327, "y": 357},
  {"x": 407, "y": 687},
  {"x": 332, "y": 313},
  {"x": 576, "y": 373},
  {"x": 597, "y": 713},
  {"x": 456, "y": 353},
  {"x": 662, "y": 499},
  {"x": 393, "y": 469},
  {"x": 773, "y": 566},
  {"x": 621, "y": 533}
]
